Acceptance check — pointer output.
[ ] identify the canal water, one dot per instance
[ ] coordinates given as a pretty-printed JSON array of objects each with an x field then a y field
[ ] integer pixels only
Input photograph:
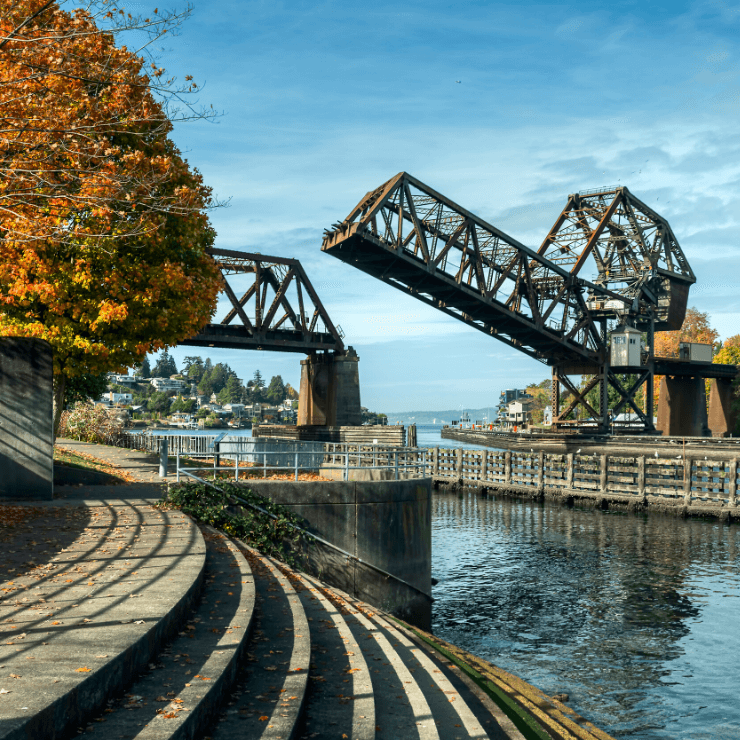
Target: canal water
[{"x": 636, "y": 617}]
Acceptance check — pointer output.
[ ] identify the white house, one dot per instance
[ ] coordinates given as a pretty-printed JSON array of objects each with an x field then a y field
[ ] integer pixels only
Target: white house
[
  {"x": 114, "y": 379},
  {"x": 235, "y": 408},
  {"x": 517, "y": 412},
  {"x": 168, "y": 384},
  {"x": 114, "y": 399}
]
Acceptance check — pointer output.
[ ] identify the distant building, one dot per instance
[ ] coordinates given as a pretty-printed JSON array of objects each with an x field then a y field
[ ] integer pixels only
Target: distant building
[
  {"x": 235, "y": 408},
  {"x": 115, "y": 379},
  {"x": 168, "y": 384},
  {"x": 518, "y": 412},
  {"x": 506, "y": 397},
  {"x": 111, "y": 398}
]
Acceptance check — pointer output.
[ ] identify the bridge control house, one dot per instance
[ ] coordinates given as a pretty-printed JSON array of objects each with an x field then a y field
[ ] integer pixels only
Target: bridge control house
[{"x": 626, "y": 346}]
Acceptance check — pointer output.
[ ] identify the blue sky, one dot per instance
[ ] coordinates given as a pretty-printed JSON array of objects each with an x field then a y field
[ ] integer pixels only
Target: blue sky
[{"x": 324, "y": 101}]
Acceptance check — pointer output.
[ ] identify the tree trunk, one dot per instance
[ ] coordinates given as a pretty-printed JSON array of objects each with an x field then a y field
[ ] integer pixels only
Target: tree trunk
[{"x": 59, "y": 385}]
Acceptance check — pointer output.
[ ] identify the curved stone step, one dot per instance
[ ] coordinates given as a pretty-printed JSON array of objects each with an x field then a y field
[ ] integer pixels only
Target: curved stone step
[
  {"x": 401, "y": 709},
  {"x": 271, "y": 686},
  {"x": 188, "y": 680},
  {"x": 79, "y": 627},
  {"x": 459, "y": 709},
  {"x": 340, "y": 696}
]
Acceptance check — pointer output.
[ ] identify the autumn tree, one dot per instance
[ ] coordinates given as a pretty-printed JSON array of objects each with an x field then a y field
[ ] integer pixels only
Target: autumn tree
[
  {"x": 695, "y": 328},
  {"x": 729, "y": 354},
  {"x": 103, "y": 225},
  {"x": 65, "y": 95}
]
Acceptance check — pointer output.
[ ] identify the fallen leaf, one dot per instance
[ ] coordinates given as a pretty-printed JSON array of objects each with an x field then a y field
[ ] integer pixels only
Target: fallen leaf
[
  {"x": 14, "y": 675},
  {"x": 161, "y": 698},
  {"x": 264, "y": 718},
  {"x": 56, "y": 622},
  {"x": 4, "y": 691},
  {"x": 84, "y": 669},
  {"x": 270, "y": 668}
]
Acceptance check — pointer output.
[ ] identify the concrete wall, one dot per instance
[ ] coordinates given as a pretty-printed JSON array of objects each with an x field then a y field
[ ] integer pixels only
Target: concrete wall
[
  {"x": 387, "y": 524},
  {"x": 26, "y": 411}
]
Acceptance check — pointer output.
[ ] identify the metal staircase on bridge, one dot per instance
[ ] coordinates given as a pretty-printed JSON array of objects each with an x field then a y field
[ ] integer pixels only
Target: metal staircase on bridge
[{"x": 537, "y": 301}]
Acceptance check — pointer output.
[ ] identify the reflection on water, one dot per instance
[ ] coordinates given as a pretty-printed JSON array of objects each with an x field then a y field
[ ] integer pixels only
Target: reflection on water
[{"x": 635, "y": 617}]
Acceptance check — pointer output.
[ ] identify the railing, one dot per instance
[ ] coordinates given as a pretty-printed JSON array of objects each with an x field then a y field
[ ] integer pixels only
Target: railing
[
  {"x": 252, "y": 456},
  {"x": 685, "y": 479}
]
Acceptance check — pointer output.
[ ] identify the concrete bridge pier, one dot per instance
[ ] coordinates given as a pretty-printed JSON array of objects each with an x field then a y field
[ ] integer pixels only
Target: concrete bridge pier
[
  {"x": 330, "y": 390},
  {"x": 722, "y": 417},
  {"x": 682, "y": 407}
]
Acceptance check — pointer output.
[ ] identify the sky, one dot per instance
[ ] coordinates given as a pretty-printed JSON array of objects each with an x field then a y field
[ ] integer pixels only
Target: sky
[{"x": 504, "y": 108}]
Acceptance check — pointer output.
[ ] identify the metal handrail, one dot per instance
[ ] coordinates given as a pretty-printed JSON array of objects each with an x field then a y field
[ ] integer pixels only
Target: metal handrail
[{"x": 397, "y": 459}]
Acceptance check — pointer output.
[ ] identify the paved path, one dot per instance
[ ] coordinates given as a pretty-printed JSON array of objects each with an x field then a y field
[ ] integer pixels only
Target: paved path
[{"x": 142, "y": 466}]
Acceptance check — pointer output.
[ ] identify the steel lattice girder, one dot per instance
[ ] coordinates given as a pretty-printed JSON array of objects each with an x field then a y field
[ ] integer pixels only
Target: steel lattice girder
[
  {"x": 633, "y": 248},
  {"x": 415, "y": 239},
  {"x": 266, "y": 319}
]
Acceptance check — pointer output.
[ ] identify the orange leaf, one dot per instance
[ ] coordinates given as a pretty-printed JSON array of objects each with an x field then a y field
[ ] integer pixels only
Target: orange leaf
[
  {"x": 264, "y": 718},
  {"x": 84, "y": 669}
]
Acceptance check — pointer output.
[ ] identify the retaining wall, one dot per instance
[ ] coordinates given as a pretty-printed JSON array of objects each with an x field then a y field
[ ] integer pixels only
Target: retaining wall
[
  {"x": 387, "y": 524},
  {"x": 26, "y": 423}
]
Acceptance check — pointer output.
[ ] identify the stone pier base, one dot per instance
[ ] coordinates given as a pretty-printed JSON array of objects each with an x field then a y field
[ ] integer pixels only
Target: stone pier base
[
  {"x": 330, "y": 390},
  {"x": 682, "y": 407},
  {"x": 722, "y": 417}
]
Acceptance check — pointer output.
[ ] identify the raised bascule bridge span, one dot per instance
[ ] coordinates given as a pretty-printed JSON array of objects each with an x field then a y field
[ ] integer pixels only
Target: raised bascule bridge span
[
  {"x": 280, "y": 311},
  {"x": 539, "y": 301}
]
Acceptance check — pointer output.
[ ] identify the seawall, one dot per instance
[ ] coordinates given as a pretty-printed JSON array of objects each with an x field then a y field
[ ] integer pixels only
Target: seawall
[{"x": 384, "y": 526}]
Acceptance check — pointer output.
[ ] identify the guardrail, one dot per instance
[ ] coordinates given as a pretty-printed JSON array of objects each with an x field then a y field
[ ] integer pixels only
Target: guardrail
[
  {"x": 297, "y": 457},
  {"x": 685, "y": 479}
]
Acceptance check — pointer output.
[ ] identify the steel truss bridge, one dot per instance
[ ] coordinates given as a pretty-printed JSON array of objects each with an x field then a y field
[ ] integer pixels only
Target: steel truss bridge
[
  {"x": 536, "y": 300},
  {"x": 278, "y": 311}
]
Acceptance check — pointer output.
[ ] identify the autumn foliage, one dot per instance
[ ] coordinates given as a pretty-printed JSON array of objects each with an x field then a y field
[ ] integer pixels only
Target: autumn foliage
[{"x": 103, "y": 225}]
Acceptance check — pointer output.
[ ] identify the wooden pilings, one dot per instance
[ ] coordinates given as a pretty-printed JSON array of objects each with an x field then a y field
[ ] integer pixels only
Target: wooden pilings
[{"x": 640, "y": 480}]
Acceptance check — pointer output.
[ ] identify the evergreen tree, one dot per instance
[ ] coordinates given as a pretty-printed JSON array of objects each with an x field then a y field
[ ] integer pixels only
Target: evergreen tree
[
  {"x": 193, "y": 368},
  {"x": 219, "y": 375},
  {"x": 276, "y": 391},
  {"x": 165, "y": 366},
  {"x": 205, "y": 386},
  {"x": 232, "y": 390},
  {"x": 143, "y": 368}
]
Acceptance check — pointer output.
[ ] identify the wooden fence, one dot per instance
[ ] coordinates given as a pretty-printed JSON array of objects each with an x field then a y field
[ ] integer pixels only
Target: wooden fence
[{"x": 685, "y": 481}]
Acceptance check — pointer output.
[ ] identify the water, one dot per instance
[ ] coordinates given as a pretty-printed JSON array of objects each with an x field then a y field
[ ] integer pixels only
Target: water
[
  {"x": 635, "y": 617},
  {"x": 429, "y": 435}
]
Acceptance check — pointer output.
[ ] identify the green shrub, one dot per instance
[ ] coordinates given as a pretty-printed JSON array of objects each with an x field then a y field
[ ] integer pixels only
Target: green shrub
[{"x": 274, "y": 535}]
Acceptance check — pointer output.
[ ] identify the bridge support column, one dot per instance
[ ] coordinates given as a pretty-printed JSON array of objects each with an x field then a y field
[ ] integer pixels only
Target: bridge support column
[
  {"x": 330, "y": 390},
  {"x": 722, "y": 417},
  {"x": 682, "y": 407}
]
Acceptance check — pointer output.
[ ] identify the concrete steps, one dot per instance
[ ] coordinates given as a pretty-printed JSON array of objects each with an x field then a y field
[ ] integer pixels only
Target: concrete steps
[
  {"x": 76, "y": 628},
  {"x": 195, "y": 636},
  {"x": 191, "y": 675}
]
